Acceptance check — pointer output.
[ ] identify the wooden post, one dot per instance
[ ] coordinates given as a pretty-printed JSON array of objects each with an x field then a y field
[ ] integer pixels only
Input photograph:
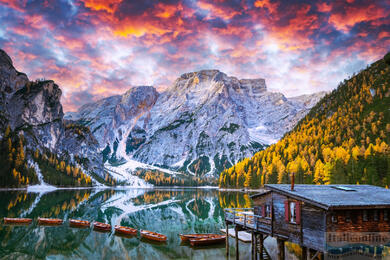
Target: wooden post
[
  {"x": 253, "y": 245},
  {"x": 256, "y": 247},
  {"x": 237, "y": 251},
  {"x": 227, "y": 239},
  {"x": 304, "y": 253},
  {"x": 280, "y": 249},
  {"x": 261, "y": 244}
]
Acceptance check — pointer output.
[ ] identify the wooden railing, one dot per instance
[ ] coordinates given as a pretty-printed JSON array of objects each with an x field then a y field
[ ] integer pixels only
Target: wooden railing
[{"x": 246, "y": 218}]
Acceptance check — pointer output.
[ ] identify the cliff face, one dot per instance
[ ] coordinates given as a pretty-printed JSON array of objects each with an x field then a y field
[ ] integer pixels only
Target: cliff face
[
  {"x": 206, "y": 121},
  {"x": 34, "y": 109}
]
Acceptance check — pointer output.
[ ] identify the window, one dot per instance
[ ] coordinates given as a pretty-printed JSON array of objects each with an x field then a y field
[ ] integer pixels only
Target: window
[
  {"x": 267, "y": 211},
  {"x": 385, "y": 215},
  {"x": 376, "y": 215},
  {"x": 334, "y": 218},
  {"x": 293, "y": 217},
  {"x": 292, "y": 212},
  {"x": 348, "y": 216},
  {"x": 365, "y": 215}
]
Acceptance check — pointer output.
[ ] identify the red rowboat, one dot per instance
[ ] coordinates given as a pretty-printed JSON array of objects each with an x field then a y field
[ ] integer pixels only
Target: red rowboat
[
  {"x": 187, "y": 237},
  {"x": 50, "y": 221},
  {"x": 79, "y": 223},
  {"x": 153, "y": 236},
  {"x": 102, "y": 227},
  {"x": 125, "y": 230},
  {"x": 207, "y": 240},
  {"x": 19, "y": 221}
]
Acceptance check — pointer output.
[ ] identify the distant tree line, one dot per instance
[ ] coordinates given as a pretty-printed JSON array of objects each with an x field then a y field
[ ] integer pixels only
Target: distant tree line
[{"x": 344, "y": 139}]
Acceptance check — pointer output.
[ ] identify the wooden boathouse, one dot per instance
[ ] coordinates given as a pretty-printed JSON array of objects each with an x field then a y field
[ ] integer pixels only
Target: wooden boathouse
[{"x": 315, "y": 217}]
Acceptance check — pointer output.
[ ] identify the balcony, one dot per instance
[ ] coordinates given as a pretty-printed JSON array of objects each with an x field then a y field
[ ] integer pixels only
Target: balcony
[{"x": 246, "y": 219}]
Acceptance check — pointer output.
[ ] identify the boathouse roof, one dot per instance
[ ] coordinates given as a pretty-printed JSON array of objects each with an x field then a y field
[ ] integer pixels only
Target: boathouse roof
[{"x": 336, "y": 196}]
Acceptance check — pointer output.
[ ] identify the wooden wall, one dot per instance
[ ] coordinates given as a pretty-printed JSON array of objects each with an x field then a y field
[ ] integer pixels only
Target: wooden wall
[
  {"x": 313, "y": 227},
  {"x": 357, "y": 224},
  {"x": 311, "y": 230},
  {"x": 315, "y": 222}
]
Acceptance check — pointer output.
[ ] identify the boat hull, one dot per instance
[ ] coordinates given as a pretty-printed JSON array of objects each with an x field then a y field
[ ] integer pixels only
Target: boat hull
[
  {"x": 207, "y": 241},
  {"x": 153, "y": 236},
  {"x": 17, "y": 221},
  {"x": 79, "y": 223},
  {"x": 126, "y": 230},
  {"x": 50, "y": 221},
  {"x": 187, "y": 237},
  {"x": 102, "y": 227}
]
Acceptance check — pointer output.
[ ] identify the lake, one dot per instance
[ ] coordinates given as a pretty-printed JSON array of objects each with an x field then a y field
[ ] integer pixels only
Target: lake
[{"x": 167, "y": 211}]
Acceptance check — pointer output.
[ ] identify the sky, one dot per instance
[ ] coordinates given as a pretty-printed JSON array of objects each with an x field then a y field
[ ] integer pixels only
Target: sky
[{"x": 97, "y": 48}]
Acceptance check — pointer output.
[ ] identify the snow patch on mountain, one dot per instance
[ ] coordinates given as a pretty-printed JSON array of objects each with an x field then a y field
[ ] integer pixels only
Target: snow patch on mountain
[{"x": 205, "y": 122}]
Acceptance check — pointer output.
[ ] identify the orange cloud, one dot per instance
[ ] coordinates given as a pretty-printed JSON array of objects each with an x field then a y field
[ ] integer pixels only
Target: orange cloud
[
  {"x": 352, "y": 15},
  {"x": 293, "y": 34},
  {"x": 102, "y": 5},
  {"x": 324, "y": 7},
  {"x": 272, "y": 7},
  {"x": 18, "y": 5},
  {"x": 167, "y": 11},
  {"x": 70, "y": 43},
  {"x": 383, "y": 35},
  {"x": 223, "y": 12}
]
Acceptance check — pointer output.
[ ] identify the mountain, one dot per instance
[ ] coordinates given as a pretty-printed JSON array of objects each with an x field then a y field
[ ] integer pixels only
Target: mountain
[
  {"x": 33, "y": 132},
  {"x": 205, "y": 122},
  {"x": 343, "y": 139}
]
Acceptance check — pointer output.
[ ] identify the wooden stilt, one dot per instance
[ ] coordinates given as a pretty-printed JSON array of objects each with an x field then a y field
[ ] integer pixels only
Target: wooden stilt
[
  {"x": 261, "y": 244},
  {"x": 227, "y": 239},
  {"x": 237, "y": 251},
  {"x": 304, "y": 253},
  {"x": 253, "y": 249},
  {"x": 280, "y": 249},
  {"x": 256, "y": 246}
]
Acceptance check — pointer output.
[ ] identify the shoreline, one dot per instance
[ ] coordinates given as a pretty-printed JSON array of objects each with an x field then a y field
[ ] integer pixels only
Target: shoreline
[{"x": 54, "y": 188}]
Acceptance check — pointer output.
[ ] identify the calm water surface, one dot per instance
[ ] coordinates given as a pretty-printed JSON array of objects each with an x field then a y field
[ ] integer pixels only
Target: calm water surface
[{"x": 167, "y": 211}]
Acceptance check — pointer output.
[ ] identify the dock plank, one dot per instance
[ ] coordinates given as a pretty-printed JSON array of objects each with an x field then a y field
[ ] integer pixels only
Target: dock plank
[{"x": 242, "y": 235}]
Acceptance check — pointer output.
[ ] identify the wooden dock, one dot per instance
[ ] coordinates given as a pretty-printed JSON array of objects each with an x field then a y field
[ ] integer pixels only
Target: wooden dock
[{"x": 242, "y": 235}]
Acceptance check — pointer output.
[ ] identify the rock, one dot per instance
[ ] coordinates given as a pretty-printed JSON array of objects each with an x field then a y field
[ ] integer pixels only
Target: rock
[
  {"x": 34, "y": 109},
  {"x": 205, "y": 122}
]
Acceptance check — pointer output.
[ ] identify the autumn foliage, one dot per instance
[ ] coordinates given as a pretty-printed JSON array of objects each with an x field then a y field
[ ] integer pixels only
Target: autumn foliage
[
  {"x": 344, "y": 139},
  {"x": 15, "y": 170}
]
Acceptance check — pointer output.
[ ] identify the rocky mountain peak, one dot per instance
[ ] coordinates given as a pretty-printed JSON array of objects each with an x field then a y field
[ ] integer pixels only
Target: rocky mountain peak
[
  {"x": 5, "y": 59},
  {"x": 10, "y": 79},
  {"x": 138, "y": 93},
  {"x": 214, "y": 80},
  {"x": 135, "y": 101},
  {"x": 254, "y": 86},
  {"x": 205, "y": 122},
  {"x": 34, "y": 110}
]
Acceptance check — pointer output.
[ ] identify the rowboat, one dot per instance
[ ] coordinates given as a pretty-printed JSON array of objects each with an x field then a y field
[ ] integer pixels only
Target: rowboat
[
  {"x": 24, "y": 221},
  {"x": 79, "y": 223},
  {"x": 101, "y": 227},
  {"x": 205, "y": 241},
  {"x": 50, "y": 221},
  {"x": 153, "y": 236},
  {"x": 125, "y": 230},
  {"x": 187, "y": 237}
]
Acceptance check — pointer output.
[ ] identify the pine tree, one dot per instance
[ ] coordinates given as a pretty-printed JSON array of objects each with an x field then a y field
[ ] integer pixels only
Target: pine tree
[{"x": 7, "y": 131}]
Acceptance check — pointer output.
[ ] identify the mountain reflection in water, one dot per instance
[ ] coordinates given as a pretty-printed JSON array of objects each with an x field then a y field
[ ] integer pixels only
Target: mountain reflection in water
[{"x": 167, "y": 211}]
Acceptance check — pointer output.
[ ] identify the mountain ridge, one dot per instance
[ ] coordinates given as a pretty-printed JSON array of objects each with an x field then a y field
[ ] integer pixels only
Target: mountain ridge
[
  {"x": 343, "y": 139},
  {"x": 31, "y": 119},
  {"x": 180, "y": 127}
]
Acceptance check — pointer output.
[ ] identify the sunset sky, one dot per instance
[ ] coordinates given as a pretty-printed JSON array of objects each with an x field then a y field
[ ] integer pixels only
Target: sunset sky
[{"x": 98, "y": 48}]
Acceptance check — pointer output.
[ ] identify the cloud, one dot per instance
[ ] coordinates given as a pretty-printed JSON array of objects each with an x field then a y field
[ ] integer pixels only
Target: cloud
[
  {"x": 95, "y": 48},
  {"x": 345, "y": 17}
]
